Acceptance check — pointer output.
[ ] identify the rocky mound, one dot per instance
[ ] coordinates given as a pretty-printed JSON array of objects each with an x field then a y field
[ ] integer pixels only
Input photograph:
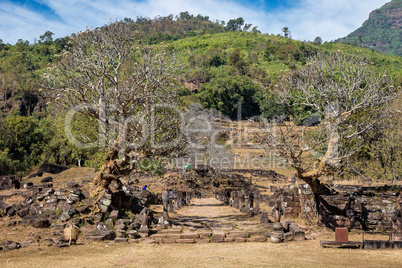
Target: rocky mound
[{"x": 206, "y": 180}]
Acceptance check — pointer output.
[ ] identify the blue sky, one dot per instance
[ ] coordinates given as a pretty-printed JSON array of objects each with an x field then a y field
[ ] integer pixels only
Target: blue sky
[{"x": 306, "y": 19}]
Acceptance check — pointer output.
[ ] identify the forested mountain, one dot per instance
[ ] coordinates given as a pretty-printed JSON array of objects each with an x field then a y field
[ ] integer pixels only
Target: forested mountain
[
  {"x": 382, "y": 31},
  {"x": 226, "y": 63}
]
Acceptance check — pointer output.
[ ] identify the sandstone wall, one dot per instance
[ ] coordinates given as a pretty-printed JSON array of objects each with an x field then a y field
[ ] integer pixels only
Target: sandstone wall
[{"x": 357, "y": 207}]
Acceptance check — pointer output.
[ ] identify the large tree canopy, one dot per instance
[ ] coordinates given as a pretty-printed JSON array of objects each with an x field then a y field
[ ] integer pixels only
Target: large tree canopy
[
  {"x": 129, "y": 88},
  {"x": 350, "y": 98}
]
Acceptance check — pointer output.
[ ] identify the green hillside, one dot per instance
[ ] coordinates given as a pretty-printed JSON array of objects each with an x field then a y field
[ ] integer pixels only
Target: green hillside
[
  {"x": 382, "y": 31},
  {"x": 258, "y": 59}
]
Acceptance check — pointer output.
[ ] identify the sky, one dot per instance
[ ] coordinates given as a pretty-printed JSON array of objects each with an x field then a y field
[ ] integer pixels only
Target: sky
[{"x": 306, "y": 19}]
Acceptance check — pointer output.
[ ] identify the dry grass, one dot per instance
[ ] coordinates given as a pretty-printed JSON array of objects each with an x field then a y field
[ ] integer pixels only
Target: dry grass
[
  {"x": 77, "y": 174},
  {"x": 306, "y": 253},
  {"x": 295, "y": 254}
]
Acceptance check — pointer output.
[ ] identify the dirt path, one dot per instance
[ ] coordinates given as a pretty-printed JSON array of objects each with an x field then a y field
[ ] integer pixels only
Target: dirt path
[{"x": 212, "y": 214}]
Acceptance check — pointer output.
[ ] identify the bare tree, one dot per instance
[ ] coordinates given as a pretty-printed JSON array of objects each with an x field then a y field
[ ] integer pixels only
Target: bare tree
[
  {"x": 347, "y": 94},
  {"x": 131, "y": 89}
]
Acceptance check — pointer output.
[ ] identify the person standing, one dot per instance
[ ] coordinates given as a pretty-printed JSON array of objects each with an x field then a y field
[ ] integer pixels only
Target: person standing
[{"x": 165, "y": 201}]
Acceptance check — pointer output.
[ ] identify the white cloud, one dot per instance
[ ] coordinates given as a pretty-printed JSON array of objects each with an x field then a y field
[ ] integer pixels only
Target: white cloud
[{"x": 328, "y": 19}]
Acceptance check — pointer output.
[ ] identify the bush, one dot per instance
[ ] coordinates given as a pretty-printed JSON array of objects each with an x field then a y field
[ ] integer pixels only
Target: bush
[{"x": 224, "y": 94}]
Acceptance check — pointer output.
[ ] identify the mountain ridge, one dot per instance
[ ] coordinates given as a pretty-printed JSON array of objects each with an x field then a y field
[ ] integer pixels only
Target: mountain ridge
[{"x": 382, "y": 31}]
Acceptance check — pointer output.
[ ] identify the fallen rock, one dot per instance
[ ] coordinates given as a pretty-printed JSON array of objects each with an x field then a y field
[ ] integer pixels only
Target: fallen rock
[
  {"x": 71, "y": 184},
  {"x": 120, "y": 239},
  {"x": 114, "y": 215},
  {"x": 27, "y": 243},
  {"x": 41, "y": 223},
  {"x": 4, "y": 206},
  {"x": 10, "y": 245},
  {"x": 23, "y": 212},
  {"x": 47, "y": 179},
  {"x": 101, "y": 227},
  {"x": 36, "y": 174},
  {"x": 50, "y": 168},
  {"x": 108, "y": 235},
  {"x": 298, "y": 234}
]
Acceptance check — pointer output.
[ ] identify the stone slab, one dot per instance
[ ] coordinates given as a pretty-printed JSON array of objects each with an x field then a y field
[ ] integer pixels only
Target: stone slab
[
  {"x": 171, "y": 231},
  {"x": 205, "y": 234},
  {"x": 158, "y": 235},
  {"x": 120, "y": 240},
  {"x": 257, "y": 239},
  {"x": 185, "y": 241},
  {"x": 217, "y": 239},
  {"x": 257, "y": 232},
  {"x": 333, "y": 244},
  {"x": 218, "y": 234},
  {"x": 288, "y": 236},
  {"x": 237, "y": 234},
  {"x": 96, "y": 238},
  {"x": 189, "y": 236},
  {"x": 168, "y": 240},
  {"x": 299, "y": 235},
  {"x": 158, "y": 239},
  {"x": 173, "y": 236}
]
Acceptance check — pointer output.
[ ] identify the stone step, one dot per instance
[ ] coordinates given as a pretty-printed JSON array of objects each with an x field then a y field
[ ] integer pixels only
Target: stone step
[
  {"x": 237, "y": 234},
  {"x": 184, "y": 236},
  {"x": 173, "y": 236},
  {"x": 171, "y": 231},
  {"x": 257, "y": 232},
  {"x": 189, "y": 236},
  {"x": 229, "y": 239},
  {"x": 218, "y": 234},
  {"x": 120, "y": 240},
  {"x": 240, "y": 240},
  {"x": 185, "y": 241},
  {"x": 168, "y": 240},
  {"x": 257, "y": 239},
  {"x": 205, "y": 234},
  {"x": 158, "y": 235}
]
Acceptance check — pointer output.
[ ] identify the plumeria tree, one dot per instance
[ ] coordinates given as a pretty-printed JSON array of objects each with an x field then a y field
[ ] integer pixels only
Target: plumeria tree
[
  {"x": 129, "y": 88},
  {"x": 349, "y": 97}
]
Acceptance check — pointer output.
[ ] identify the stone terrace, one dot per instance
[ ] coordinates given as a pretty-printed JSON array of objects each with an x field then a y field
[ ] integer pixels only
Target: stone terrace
[{"x": 208, "y": 220}]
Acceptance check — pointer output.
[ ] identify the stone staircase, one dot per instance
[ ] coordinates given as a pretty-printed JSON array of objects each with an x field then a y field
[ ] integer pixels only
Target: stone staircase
[{"x": 182, "y": 235}]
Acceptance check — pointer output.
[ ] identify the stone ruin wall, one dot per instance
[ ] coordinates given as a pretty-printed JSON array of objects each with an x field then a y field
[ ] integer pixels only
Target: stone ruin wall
[
  {"x": 10, "y": 182},
  {"x": 356, "y": 207}
]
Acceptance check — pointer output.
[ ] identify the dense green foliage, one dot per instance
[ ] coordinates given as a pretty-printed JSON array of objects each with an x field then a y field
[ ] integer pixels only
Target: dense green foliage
[
  {"x": 382, "y": 31},
  {"x": 226, "y": 64},
  {"x": 226, "y": 93},
  {"x": 22, "y": 142},
  {"x": 262, "y": 58},
  {"x": 159, "y": 29}
]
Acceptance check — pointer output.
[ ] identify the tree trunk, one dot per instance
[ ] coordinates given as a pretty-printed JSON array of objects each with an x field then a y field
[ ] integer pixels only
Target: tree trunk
[
  {"x": 327, "y": 162},
  {"x": 112, "y": 169}
]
